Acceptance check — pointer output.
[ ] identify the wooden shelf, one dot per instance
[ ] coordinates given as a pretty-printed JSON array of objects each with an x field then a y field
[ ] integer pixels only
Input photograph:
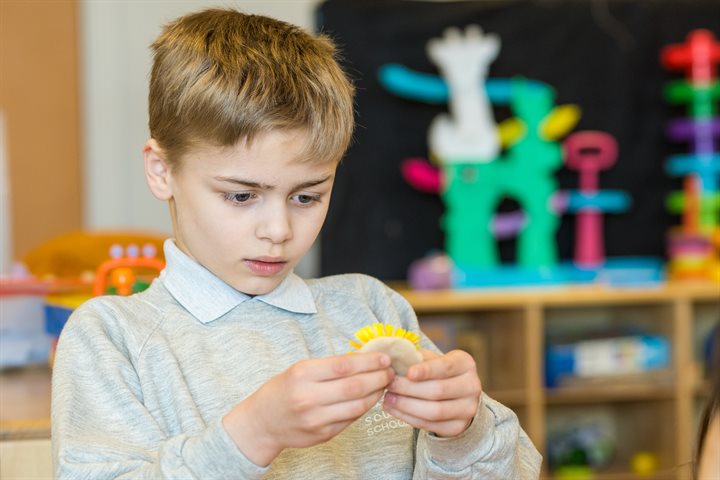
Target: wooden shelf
[
  {"x": 512, "y": 327},
  {"x": 25, "y": 403},
  {"x": 576, "y": 295},
  {"x": 514, "y": 324}
]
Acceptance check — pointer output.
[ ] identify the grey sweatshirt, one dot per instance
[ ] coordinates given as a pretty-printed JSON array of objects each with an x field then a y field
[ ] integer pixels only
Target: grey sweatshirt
[{"x": 141, "y": 383}]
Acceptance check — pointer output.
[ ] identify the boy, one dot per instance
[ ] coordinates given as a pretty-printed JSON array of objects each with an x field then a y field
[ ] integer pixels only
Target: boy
[{"x": 229, "y": 365}]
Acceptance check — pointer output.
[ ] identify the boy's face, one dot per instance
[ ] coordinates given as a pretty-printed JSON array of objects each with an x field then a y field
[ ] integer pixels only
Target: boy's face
[{"x": 246, "y": 214}]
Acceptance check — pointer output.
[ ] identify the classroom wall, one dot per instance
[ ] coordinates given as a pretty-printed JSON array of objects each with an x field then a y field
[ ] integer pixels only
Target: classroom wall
[{"x": 40, "y": 162}]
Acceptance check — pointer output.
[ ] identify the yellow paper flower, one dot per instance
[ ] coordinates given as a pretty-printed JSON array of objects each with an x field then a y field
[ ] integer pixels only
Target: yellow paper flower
[{"x": 377, "y": 330}]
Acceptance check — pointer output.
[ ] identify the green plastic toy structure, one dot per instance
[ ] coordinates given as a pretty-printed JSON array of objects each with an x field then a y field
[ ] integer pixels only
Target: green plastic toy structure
[{"x": 525, "y": 173}]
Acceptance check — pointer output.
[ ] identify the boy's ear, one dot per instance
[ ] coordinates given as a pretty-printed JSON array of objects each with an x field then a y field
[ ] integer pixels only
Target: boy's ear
[{"x": 157, "y": 170}]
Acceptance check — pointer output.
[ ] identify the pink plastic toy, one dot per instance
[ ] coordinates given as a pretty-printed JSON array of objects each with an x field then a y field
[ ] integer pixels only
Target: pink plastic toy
[{"x": 589, "y": 152}]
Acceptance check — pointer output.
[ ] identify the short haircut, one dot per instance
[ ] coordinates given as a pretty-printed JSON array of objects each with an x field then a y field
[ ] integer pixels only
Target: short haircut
[{"x": 220, "y": 76}]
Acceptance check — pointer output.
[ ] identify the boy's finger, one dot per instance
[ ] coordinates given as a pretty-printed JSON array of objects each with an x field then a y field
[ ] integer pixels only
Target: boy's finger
[
  {"x": 339, "y": 366},
  {"x": 355, "y": 387},
  {"x": 352, "y": 409},
  {"x": 447, "y": 428},
  {"x": 431, "y": 411},
  {"x": 449, "y": 365},
  {"x": 445, "y": 389}
]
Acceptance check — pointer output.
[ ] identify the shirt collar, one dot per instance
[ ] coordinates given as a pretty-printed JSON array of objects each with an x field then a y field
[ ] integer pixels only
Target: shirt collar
[{"x": 208, "y": 298}]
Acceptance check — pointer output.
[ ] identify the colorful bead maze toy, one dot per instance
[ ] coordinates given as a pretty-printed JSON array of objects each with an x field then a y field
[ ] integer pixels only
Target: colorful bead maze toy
[{"x": 694, "y": 246}]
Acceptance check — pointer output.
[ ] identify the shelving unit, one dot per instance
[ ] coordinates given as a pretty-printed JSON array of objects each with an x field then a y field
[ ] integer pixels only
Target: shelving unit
[{"x": 657, "y": 412}]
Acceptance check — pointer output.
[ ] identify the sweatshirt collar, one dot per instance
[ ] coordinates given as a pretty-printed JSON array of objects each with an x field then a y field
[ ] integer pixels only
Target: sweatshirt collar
[{"x": 208, "y": 298}]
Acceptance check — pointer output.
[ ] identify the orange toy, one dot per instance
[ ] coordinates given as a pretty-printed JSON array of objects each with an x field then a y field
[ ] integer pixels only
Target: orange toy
[{"x": 124, "y": 272}]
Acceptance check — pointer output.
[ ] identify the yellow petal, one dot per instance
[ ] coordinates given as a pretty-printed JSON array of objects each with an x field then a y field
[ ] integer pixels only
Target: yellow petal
[
  {"x": 363, "y": 335},
  {"x": 378, "y": 330}
]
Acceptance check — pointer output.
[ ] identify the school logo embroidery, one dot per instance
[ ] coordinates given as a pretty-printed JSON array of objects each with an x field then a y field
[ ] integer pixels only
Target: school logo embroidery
[{"x": 378, "y": 421}]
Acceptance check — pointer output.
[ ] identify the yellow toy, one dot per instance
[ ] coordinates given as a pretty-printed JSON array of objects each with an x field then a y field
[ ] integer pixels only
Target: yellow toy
[
  {"x": 401, "y": 345},
  {"x": 74, "y": 254}
]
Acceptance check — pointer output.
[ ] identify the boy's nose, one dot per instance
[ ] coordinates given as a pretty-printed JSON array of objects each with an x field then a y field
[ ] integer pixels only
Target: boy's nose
[{"x": 274, "y": 225}]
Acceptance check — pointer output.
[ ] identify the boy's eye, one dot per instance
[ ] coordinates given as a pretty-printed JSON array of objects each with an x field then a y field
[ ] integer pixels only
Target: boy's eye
[
  {"x": 304, "y": 199},
  {"x": 238, "y": 197}
]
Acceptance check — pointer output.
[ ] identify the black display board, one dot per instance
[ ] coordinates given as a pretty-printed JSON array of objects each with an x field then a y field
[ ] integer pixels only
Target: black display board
[{"x": 602, "y": 56}]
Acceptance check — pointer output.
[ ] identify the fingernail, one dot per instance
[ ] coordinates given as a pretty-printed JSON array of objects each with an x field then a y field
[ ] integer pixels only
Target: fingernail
[
  {"x": 385, "y": 360},
  {"x": 390, "y": 398}
]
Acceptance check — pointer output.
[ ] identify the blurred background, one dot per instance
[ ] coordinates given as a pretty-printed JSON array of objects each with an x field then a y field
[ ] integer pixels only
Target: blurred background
[{"x": 607, "y": 376}]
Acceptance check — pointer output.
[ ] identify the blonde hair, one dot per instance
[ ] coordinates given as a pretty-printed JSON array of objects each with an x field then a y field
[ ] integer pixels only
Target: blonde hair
[{"x": 220, "y": 76}]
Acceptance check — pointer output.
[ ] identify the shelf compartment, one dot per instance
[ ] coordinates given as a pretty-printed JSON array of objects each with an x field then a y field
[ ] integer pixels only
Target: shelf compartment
[
  {"x": 578, "y": 321},
  {"x": 671, "y": 474},
  {"x": 607, "y": 344},
  {"x": 632, "y": 426},
  {"x": 706, "y": 316}
]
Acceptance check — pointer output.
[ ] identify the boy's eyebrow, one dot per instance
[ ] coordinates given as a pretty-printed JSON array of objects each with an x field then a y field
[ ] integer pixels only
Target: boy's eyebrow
[{"x": 264, "y": 186}]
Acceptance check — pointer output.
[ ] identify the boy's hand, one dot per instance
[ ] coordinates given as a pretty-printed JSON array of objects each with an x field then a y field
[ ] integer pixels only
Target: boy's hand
[
  {"x": 308, "y": 404},
  {"x": 440, "y": 394}
]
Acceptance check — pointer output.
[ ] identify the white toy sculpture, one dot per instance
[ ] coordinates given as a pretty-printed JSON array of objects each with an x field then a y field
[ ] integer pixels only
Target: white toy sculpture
[{"x": 469, "y": 135}]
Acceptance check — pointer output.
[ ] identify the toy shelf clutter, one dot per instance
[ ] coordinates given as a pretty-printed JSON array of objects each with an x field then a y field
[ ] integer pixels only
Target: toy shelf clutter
[
  {"x": 36, "y": 302},
  {"x": 53, "y": 279},
  {"x": 479, "y": 163},
  {"x": 509, "y": 332}
]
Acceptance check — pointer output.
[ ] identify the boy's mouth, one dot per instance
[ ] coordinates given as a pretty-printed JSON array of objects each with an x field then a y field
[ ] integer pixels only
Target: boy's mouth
[{"x": 265, "y": 266}]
